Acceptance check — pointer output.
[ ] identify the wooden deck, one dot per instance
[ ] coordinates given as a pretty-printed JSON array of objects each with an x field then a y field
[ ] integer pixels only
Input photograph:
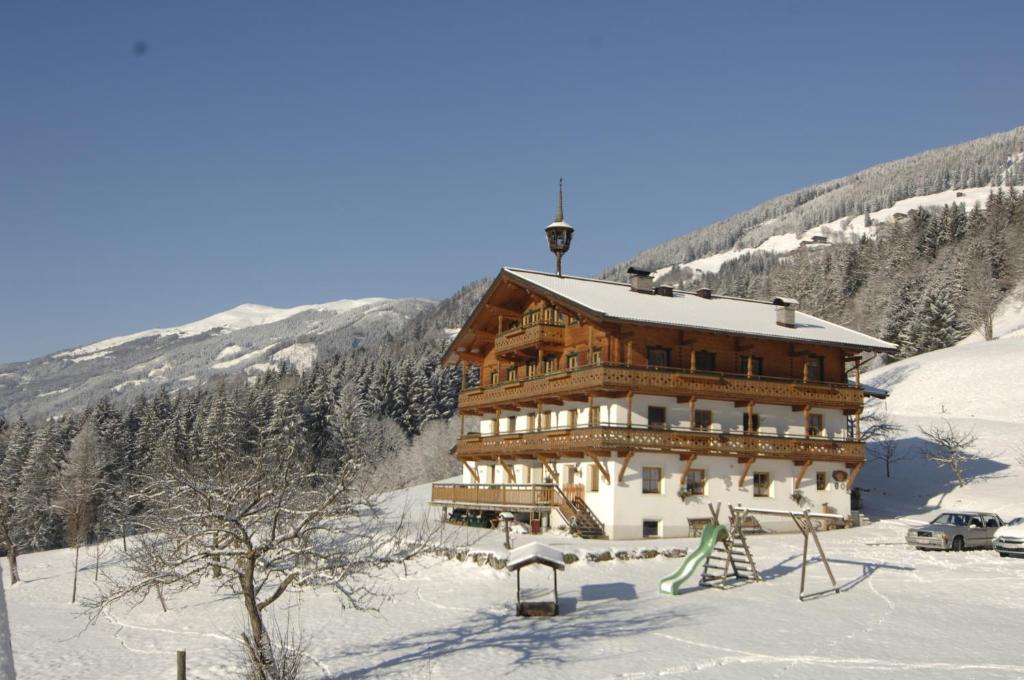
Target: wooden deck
[
  {"x": 575, "y": 384},
  {"x": 495, "y": 496},
  {"x": 551, "y": 443}
]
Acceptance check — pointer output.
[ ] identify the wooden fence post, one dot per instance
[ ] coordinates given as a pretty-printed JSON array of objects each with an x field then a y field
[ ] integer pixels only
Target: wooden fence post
[{"x": 181, "y": 664}]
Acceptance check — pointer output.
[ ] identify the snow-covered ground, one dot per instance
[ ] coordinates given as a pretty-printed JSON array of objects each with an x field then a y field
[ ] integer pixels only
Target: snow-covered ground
[{"x": 901, "y": 613}]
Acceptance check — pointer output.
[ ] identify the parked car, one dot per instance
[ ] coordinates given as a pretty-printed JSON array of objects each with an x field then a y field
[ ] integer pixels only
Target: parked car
[
  {"x": 1009, "y": 539},
  {"x": 956, "y": 531}
]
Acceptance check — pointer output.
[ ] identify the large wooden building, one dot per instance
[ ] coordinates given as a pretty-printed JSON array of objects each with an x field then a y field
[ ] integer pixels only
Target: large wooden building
[{"x": 620, "y": 409}]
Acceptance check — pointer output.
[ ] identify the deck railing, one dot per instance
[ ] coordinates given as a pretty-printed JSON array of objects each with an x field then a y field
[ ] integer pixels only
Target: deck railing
[
  {"x": 666, "y": 381},
  {"x": 621, "y": 438},
  {"x": 496, "y": 495},
  {"x": 529, "y": 335}
]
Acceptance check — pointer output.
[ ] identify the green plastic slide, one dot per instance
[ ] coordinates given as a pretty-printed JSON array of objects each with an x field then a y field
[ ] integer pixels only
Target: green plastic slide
[{"x": 672, "y": 584}]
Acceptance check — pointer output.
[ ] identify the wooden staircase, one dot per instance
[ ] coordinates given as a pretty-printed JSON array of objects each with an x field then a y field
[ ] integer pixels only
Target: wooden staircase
[
  {"x": 577, "y": 514},
  {"x": 731, "y": 558}
]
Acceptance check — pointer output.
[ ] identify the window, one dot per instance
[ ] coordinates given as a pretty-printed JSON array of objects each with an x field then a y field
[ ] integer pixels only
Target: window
[
  {"x": 593, "y": 477},
  {"x": 815, "y": 425},
  {"x": 494, "y": 376},
  {"x": 595, "y": 355},
  {"x": 550, "y": 363},
  {"x": 652, "y": 480},
  {"x": 574, "y": 321},
  {"x": 656, "y": 417},
  {"x": 701, "y": 420},
  {"x": 751, "y": 426},
  {"x": 487, "y": 476},
  {"x": 657, "y": 356},
  {"x": 695, "y": 482},
  {"x": 650, "y": 528},
  {"x": 511, "y": 423},
  {"x": 751, "y": 365},
  {"x": 762, "y": 484},
  {"x": 822, "y": 481},
  {"x": 510, "y": 373},
  {"x": 815, "y": 368},
  {"x": 531, "y": 369},
  {"x": 572, "y": 361},
  {"x": 705, "y": 361}
]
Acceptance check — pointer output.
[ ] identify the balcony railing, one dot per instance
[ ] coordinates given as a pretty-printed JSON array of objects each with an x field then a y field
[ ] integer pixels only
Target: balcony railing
[
  {"x": 495, "y": 495},
  {"x": 540, "y": 333},
  {"x": 663, "y": 381},
  {"x": 622, "y": 438}
]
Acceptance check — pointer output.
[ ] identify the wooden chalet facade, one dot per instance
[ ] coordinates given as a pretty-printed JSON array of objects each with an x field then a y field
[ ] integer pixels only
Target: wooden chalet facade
[{"x": 621, "y": 409}]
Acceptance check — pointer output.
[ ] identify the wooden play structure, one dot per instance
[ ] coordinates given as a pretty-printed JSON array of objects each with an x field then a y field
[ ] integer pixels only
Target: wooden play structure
[
  {"x": 730, "y": 557},
  {"x": 524, "y": 556},
  {"x": 726, "y": 555}
]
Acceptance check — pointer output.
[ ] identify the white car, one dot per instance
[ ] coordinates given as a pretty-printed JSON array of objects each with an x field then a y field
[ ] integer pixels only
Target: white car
[{"x": 1009, "y": 539}]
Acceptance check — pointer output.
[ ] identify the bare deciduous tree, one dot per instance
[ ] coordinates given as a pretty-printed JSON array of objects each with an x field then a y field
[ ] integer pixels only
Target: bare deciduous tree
[
  {"x": 950, "y": 446},
  {"x": 272, "y": 520}
]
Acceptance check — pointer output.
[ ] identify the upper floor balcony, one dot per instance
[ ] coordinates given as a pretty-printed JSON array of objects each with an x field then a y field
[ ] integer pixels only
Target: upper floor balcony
[
  {"x": 622, "y": 438},
  {"x": 578, "y": 384},
  {"x": 538, "y": 334}
]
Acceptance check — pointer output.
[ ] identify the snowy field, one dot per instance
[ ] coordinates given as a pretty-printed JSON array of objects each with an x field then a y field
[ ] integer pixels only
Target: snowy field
[{"x": 901, "y": 613}]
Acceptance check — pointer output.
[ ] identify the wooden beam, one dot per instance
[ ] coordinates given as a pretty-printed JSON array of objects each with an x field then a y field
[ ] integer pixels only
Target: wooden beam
[
  {"x": 629, "y": 408},
  {"x": 853, "y": 475},
  {"x": 686, "y": 468},
  {"x": 509, "y": 470},
  {"x": 693, "y": 410},
  {"x": 856, "y": 426},
  {"x": 602, "y": 468},
  {"x": 515, "y": 314},
  {"x": 550, "y": 468},
  {"x": 746, "y": 468},
  {"x": 807, "y": 421},
  {"x": 472, "y": 472},
  {"x": 625, "y": 464},
  {"x": 800, "y": 475},
  {"x": 856, "y": 369}
]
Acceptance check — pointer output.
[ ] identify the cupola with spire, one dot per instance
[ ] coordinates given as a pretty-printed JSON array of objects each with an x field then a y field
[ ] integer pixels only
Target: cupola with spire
[{"x": 559, "y": 233}]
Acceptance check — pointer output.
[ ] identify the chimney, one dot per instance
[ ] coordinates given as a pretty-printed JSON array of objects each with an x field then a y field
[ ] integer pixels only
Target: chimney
[
  {"x": 664, "y": 291},
  {"x": 704, "y": 293},
  {"x": 640, "y": 280},
  {"x": 785, "y": 311}
]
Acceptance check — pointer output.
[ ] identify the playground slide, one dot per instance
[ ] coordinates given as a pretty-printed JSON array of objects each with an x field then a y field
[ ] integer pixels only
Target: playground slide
[{"x": 672, "y": 584}]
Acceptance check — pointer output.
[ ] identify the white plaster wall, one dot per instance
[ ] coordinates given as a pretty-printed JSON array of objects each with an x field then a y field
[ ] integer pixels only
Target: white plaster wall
[{"x": 631, "y": 507}]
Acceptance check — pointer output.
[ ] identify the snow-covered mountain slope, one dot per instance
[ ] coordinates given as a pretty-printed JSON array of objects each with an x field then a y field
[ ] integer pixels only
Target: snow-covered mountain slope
[
  {"x": 977, "y": 387},
  {"x": 247, "y": 339},
  {"x": 836, "y": 208},
  {"x": 842, "y": 230}
]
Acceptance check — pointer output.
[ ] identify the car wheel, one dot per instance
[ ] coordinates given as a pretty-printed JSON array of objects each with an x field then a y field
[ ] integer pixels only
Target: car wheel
[
  {"x": 1002, "y": 554},
  {"x": 958, "y": 544}
]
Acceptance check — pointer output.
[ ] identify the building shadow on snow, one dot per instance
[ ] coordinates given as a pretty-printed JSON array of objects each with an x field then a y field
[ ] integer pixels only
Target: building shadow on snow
[
  {"x": 916, "y": 485},
  {"x": 608, "y": 591}
]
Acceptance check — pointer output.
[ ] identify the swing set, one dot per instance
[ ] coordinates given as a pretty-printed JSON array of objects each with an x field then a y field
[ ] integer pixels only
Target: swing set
[{"x": 729, "y": 556}]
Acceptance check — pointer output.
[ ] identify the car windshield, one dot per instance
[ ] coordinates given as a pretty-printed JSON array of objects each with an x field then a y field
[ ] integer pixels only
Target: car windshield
[{"x": 951, "y": 518}]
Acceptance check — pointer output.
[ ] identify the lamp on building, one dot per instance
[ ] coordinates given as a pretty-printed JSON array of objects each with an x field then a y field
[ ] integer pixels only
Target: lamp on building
[{"x": 559, "y": 234}]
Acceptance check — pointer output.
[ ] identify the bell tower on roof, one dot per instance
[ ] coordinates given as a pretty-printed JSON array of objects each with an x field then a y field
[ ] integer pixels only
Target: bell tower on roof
[{"x": 559, "y": 233}]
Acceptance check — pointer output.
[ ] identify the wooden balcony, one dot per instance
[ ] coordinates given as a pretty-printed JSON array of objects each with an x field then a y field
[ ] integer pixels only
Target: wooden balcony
[
  {"x": 537, "y": 335},
  {"x": 554, "y": 443},
  {"x": 612, "y": 379},
  {"x": 495, "y": 496}
]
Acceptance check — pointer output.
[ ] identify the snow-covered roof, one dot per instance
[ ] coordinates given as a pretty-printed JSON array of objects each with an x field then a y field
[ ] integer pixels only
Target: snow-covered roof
[
  {"x": 689, "y": 310},
  {"x": 535, "y": 553}
]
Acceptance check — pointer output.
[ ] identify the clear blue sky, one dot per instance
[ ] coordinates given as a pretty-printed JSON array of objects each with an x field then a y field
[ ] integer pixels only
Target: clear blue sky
[{"x": 313, "y": 151}]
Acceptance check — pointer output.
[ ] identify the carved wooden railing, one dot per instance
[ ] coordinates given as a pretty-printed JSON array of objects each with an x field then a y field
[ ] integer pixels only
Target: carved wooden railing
[
  {"x": 521, "y": 337},
  {"x": 620, "y": 438},
  {"x": 663, "y": 381}
]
